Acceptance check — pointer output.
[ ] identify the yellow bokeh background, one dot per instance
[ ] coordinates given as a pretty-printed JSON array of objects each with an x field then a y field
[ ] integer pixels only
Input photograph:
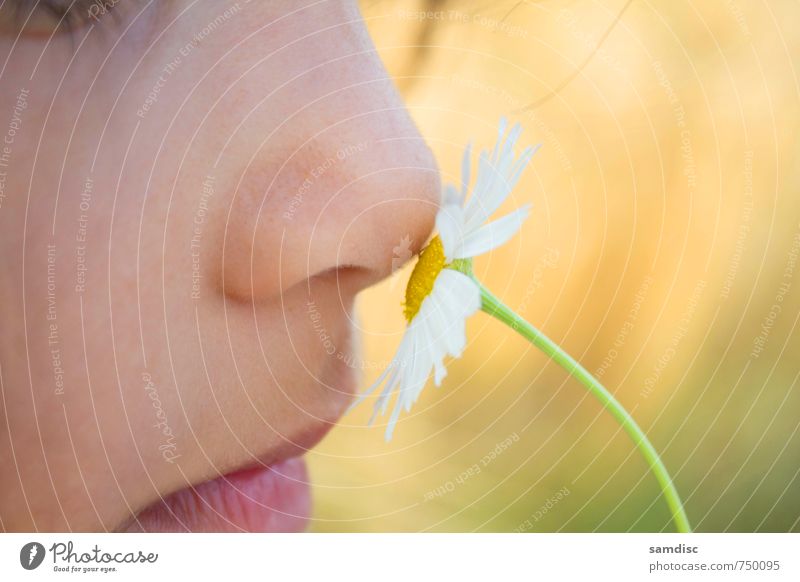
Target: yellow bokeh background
[{"x": 664, "y": 231}]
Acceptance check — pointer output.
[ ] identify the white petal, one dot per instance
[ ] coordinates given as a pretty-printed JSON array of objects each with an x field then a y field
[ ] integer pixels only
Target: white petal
[
  {"x": 461, "y": 292},
  {"x": 493, "y": 235},
  {"x": 436, "y": 326},
  {"x": 388, "y": 389},
  {"x": 452, "y": 196},
  {"x": 361, "y": 397},
  {"x": 455, "y": 340},
  {"x": 410, "y": 364},
  {"x": 483, "y": 182},
  {"x": 497, "y": 176},
  {"x": 450, "y": 224},
  {"x": 501, "y": 130},
  {"x": 496, "y": 189},
  {"x": 461, "y": 298},
  {"x": 466, "y": 170},
  {"x": 510, "y": 142},
  {"x": 418, "y": 376},
  {"x": 521, "y": 163},
  {"x": 440, "y": 326}
]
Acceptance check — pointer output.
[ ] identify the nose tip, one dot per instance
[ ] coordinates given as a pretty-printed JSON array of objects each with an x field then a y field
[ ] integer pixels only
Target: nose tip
[
  {"x": 361, "y": 195},
  {"x": 385, "y": 235}
]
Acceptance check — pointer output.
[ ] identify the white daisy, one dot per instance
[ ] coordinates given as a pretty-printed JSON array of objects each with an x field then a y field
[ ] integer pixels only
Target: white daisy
[{"x": 440, "y": 297}]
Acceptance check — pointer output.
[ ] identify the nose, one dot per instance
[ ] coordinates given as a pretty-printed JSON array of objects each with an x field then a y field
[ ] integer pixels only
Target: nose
[{"x": 345, "y": 182}]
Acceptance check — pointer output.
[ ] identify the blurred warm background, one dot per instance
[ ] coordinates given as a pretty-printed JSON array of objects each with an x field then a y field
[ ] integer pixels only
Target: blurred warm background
[{"x": 666, "y": 230}]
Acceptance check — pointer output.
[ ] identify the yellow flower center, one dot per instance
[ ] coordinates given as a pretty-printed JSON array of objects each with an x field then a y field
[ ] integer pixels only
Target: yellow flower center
[{"x": 430, "y": 264}]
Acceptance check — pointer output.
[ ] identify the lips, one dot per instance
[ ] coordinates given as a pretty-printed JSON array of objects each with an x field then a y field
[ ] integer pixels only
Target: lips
[
  {"x": 266, "y": 499},
  {"x": 271, "y": 496}
]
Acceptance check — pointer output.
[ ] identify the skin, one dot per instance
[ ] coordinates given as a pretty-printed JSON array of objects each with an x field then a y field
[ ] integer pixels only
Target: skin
[{"x": 233, "y": 368}]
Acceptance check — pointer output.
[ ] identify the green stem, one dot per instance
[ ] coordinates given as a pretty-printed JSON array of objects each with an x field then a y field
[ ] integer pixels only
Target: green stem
[{"x": 494, "y": 307}]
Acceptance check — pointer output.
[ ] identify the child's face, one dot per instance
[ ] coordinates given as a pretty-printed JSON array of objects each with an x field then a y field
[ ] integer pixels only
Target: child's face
[{"x": 192, "y": 194}]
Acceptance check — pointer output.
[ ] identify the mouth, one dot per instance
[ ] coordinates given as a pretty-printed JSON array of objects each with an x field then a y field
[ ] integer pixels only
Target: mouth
[
  {"x": 276, "y": 498},
  {"x": 272, "y": 495}
]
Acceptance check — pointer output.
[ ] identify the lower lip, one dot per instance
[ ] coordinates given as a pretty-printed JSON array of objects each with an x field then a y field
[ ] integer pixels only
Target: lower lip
[{"x": 268, "y": 499}]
